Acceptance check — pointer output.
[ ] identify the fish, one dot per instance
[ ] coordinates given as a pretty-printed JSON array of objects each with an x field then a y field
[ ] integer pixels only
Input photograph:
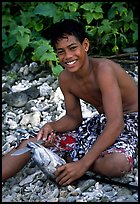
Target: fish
[{"x": 47, "y": 160}]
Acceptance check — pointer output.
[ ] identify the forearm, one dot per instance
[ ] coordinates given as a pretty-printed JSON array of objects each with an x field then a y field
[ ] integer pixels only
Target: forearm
[
  {"x": 105, "y": 140},
  {"x": 66, "y": 123}
]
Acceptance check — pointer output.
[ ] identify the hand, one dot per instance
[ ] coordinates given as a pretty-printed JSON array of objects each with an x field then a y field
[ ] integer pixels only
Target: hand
[
  {"x": 47, "y": 134},
  {"x": 69, "y": 172}
]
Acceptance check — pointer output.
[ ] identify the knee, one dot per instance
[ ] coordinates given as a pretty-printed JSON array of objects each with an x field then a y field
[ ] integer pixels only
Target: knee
[
  {"x": 121, "y": 165},
  {"x": 112, "y": 165}
]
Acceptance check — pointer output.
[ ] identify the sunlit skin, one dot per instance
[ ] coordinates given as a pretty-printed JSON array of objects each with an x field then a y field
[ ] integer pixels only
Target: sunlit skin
[{"x": 106, "y": 86}]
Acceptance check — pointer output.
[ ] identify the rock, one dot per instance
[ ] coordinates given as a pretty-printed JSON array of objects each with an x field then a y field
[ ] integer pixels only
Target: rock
[
  {"x": 29, "y": 178},
  {"x": 32, "y": 118},
  {"x": 16, "y": 99},
  {"x": 45, "y": 90},
  {"x": 32, "y": 92}
]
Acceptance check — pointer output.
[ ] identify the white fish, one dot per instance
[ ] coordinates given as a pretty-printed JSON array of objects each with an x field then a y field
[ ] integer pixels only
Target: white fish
[{"x": 45, "y": 159}]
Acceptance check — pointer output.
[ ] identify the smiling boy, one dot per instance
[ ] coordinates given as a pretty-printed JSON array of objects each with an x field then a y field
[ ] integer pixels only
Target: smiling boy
[{"x": 107, "y": 142}]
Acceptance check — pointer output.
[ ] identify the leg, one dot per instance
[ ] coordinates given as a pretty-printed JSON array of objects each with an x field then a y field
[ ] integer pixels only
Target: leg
[
  {"x": 12, "y": 164},
  {"x": 111, "y": 165}
]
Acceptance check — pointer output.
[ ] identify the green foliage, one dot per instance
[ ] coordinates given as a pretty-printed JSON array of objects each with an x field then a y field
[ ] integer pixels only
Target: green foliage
[
  {"x": 115, "y": 29},
  {"x": 111, "y": 27},
  {"x": 43, "y": 52},
  {"x": 56, "y": 69},
  {"x": 22, "y": 36},
  {"x": 92, "y": 11}
]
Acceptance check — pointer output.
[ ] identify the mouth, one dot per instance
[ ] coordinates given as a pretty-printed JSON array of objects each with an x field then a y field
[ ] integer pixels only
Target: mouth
[{"x": 71, "y": 62}]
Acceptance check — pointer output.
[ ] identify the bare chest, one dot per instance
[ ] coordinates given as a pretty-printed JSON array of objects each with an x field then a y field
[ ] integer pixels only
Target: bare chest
[{"x": 89, "y": 92}]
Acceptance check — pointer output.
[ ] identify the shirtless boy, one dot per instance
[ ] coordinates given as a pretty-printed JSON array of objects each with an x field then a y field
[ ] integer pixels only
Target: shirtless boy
[{"x": 107, "y": 142}]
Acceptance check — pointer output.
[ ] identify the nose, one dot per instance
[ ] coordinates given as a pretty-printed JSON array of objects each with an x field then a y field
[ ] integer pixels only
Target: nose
[{"x": 68, "y": 55}]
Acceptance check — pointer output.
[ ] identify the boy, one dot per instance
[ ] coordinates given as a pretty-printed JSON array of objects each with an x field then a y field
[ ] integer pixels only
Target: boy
[{"x": 106, "y": 143}]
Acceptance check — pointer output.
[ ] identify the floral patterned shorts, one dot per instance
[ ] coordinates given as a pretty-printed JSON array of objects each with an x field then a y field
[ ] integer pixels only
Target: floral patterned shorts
[{"x": 77, "y": 142}]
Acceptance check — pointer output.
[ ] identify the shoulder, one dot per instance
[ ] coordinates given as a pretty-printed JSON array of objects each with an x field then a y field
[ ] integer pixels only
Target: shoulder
[
  {"x": 105, "y": 72},
  {"x": 64, "y": 80},
  {"x": 64, "y": 76},
  {"x": 102, "y": 63},
  {"x": 103, "y": 67}
]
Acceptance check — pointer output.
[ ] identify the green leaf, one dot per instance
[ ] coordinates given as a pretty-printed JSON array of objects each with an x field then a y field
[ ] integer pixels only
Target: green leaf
[
  {"x": 73, "y": 6},
  {"x": 134, "y": 26},
  {"x": 11, "y": 40},
  {"x": 135, "y": 36},
  {"x": 46, "y": 9},
  {"x": 118, "y": 4},
  {"x": 122, "y": 10},
  {"x": 20, "y": 30},
  {"x": 105, "y": 39},
  {"x": 41, "y": 50},
  {"x": 89, "y": 17},
  {"x": 106, "y": 25},
  {"x": 7, "y": 58},
  {"x": 14, "y": 53},
  {"x": 128, "y": 17},
  {"x": 44, "y": 58},
  {"x": 123, "y": 38},
  {"x": 126, "y": 27},
  {"x": 56, "y": 69},
  {"x": 88, "y": 6},
  {"x": 111, "y": 13},
  {"x": 97, "y": 16},
  {"x": 98, "y": 9},
  {"x": 48, "y": 57},
  {"x": 38, "y": 27},
  {"x": 6, "y": 20},
  {"x": 115, "y": 48},
  {"x": 100, "y": 30},
  {"x": 23, "y": 41},
  {"x": 26, "y": 17},
  {"x": 91, "y": 30},
  {"x": 58, "y": 17}
]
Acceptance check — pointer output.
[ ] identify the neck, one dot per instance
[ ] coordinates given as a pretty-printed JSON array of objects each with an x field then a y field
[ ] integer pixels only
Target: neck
[{"x": 84, "y": 71}]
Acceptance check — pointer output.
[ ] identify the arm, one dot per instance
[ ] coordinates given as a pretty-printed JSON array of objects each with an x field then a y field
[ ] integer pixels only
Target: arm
[
  {"x": 112, "y": 104},
  {"x": 73, "y": 117}
]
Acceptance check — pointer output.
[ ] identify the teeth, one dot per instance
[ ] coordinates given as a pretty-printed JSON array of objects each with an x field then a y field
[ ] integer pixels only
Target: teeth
[{"x": 71, "y": 62}]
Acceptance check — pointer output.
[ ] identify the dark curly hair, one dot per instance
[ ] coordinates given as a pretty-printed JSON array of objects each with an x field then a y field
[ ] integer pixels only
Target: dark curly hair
[{"x": 67, "y": 27}]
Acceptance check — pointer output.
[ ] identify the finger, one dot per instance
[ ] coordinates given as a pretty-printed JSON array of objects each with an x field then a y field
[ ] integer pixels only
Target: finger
[
  {"x": 45, "y": 137},
  {"x": 39, "y": 135},
  {"x": 69, "y": 181},
  {"x": 62, "y": 177},
  {"x": 59, "y": 170},
  {"x": 52, "y": 138},
  {"x": 65, "y": 180},
  {"x": 46, "y": 133},
  {"x": 49, "y": 137}
]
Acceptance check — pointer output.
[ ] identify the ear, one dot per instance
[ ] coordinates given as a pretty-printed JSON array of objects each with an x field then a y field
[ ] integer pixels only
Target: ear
[{"x": 85, "y": 44}]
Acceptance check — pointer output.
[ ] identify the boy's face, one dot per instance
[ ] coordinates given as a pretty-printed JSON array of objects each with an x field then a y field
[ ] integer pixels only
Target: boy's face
[{"x": 71, "y": 52}]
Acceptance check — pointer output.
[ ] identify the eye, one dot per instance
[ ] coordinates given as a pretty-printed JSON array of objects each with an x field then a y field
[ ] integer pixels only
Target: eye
[
  {"x": 73, "y": 47},
  {"x": 60, "y": 52}
]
